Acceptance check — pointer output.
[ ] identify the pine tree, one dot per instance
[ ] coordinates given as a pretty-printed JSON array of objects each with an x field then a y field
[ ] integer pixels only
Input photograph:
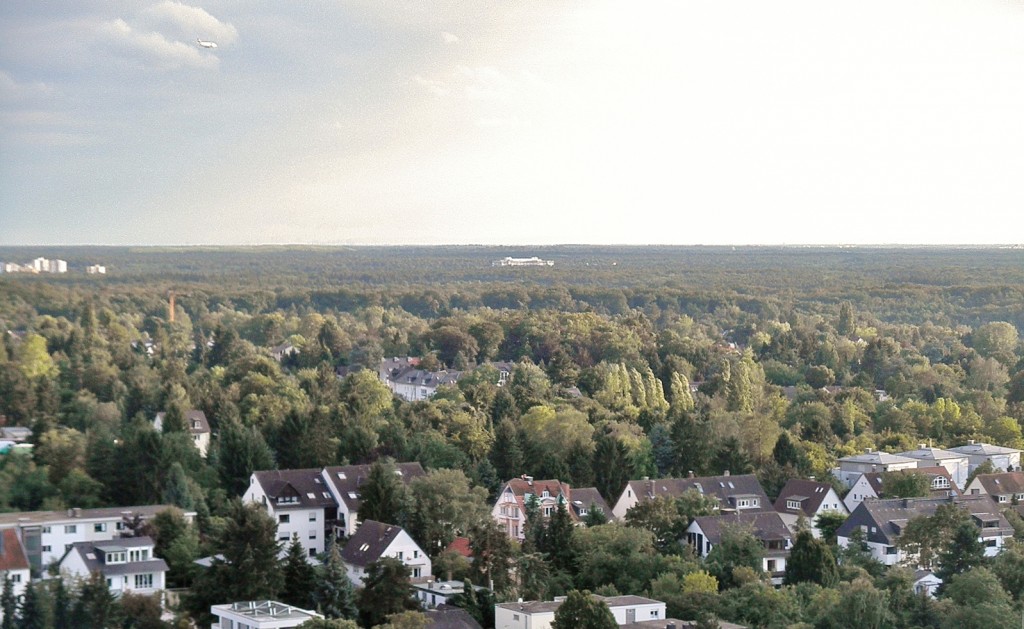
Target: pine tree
[
  {"x": 34, "y": 608},
  {"x": 811, "y": 560},
  {"x": 96, "y": 608},
  {"x": 333, "y": 594},
  {"x": 176, "y": 489},
  {"x": 963, "y": 552},
  {"x": 384, "y": 497},
  {"x": 507, "y": 452},
  {"x": 557, "y": 542},
  {"x": 298, "y": 575},
  {"x": 61, "y": 606},
  {"x": 8, "y": 605},
  {"x": 386, "y": 591}
]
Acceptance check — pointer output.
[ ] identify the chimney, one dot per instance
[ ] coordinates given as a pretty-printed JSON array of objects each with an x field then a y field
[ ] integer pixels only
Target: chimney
[
  {"x": 78, "y": 512},
  {"x": 647, "y": 478},
  {"x": 689, "y": 473},
  {"x": 922, "y": 446},
  {"x": 725, "y": 473},
  {"x": 529, "y": 480},
  {"x": 868, "y": 450},
  {"x": 970, "y": 442}
]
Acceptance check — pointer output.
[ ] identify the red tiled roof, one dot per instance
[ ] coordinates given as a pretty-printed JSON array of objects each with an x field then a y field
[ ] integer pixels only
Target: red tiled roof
[
  {"x": 13, "y": 555},
  {"x": 461, "y": 546}
]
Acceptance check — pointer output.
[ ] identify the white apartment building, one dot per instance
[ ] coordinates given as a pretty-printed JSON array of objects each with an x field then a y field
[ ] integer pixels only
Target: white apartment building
[
  {"x": 851, "y": 467},
  {"x": 301, "y": 503},
  {"x": 128, "y": 564},
  {"x": 48, "y": 535},
  {"x": 540, "y": 614},
  {"x": 956, "y": 463},
  {"x": 1002, "y": 458}
]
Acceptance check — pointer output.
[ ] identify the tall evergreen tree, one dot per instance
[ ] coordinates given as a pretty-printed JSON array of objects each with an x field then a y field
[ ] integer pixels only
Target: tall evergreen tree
[
  {"x": 384, "y": 496},
  {"x": 8, "y": 605},
  {"x": 333, "y": 594},
  {"x": 298, "y": 576},
  {"x": 386, "y": 591},
  {"x": 242, "y": 450},
  {"x": 35, "y": 611},
  {"x": 963, "y": 552},
  {"x": 507, "y": 451},
  {"x": 811, "y": 560},
  {"x": 176, "y": 490},
  {"x": 62, "y": 605},
  {"x": 611, "y": 466},
  {"x": 96, "y": 607},
  {"x": 557, "y": 541}
]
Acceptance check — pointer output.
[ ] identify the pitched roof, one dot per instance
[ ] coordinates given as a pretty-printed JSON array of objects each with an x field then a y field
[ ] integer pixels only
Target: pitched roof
[
  {"x": 886, "y": 519},
  {"x": 765, "y": 526},
  {"x": 809, "y": 493},
  {"x": 302, "y": 489},
  {"x": 462, "y": 546},
  {"x": 875, "y": 480},
  {"x": 725, "y": 488},
  {"x": 91, "y": 552},
  {"x": 1003, "y": 483},
  {"x": 450, "y": 617},
  {"x": 586, "y": 498},
  {"x": 369, "y": 542},
  {"x": 195, "y": 419},
  {"x": 349, "y": 478},
  {"x": 12, "y": 553}
]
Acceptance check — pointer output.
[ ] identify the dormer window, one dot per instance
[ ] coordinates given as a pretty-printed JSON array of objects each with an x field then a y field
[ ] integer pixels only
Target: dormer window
[
  {"x": 792, "y": 504},
  {"x": 1003, "y": 498},
  {"x": 940, "y": 482},
  {"x": 114, "y": 557},
  {"x": 545, "y": 494}
]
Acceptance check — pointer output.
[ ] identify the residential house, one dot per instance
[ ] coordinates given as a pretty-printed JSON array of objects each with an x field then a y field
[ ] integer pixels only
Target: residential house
[
  {"x": 449, "y": 617},
  {"x": 259, "y": 615},
  {"x": 585, "y": 500},
  {"x": 540, "y": 614},
  {"x": 345, "y": 481},
  {"x": 926, "y": 582},
  {"x": 128, "y": 564},
  {"x": 432, "y": 593},
  {"x": 17, "y": 434},
  {"x": 283, "y": 350},
  {"x": 196, "y": 424},
  {"x": 809, "y": 499},
  {"x": 509, "y": 509},
  {"x": 869, "y": 486},
  {"x": 48, "y": 535},
  {"x": 1005, "y": 488},
  {"x": 851, "y": 467},
  {"x": 376, "y": 540},
  {"x": 883, "y": 521},
  {"x": 301, "y": 502},
  {"x": 96, "y": 269},
  {"x": 741, "y": 492},
  {"x": 13, "y": 563},
  {"x": 769, "y": 528},
  {"x": 417, "y": 384},
  {"x": 1003, "y": 459},
  {"x": 956, "y": 463}
]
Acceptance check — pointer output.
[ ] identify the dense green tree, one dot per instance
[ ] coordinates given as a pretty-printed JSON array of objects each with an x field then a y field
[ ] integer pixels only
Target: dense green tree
[
  {"x": 962, "y": 552},
  {"x": 580, "y": 611},
  {"x": 331, "y": 590},
  {"x": 444, "y": 505},
  {"x": 979, "y": 602},
  {"x": 557, "y": 540},
  {"x": 241, "y": 451},
  {"x": 384, "y": 496},
  {"x": 386, "y": 591},
  {"x": 738, "y": 548},
  {"x": 905, "y": 484},
  {"x": 35, "y": 612},
  {"x": 8, "y": 604},
  {"x": 811, "y": 560},
  {"x": 297, "y": 576},
  {"x": 141, "y": 611},
  {"x": 96, "y": 607}
]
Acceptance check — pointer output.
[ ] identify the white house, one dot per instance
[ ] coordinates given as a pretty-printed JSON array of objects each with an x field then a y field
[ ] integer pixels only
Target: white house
[
  {"x": 279, "y": 352},
  {"x": 1003, "y": 459},
  {"x": 300, "y": 501},
  {"x": 431, "y": 593},
  {"x": 809, "y": 499},
  {"x": 956, "y": 463},
  {"x": 48, "y": 535},
  {"x": 259, "y": 615},
  {"x": 96, "y": 269},
  {"x": 741, "y": 492},
  {"x": 540, "y": 614},
  {"x": 197, "y": 425},
  {"x": 1004, "y": 489},
  {"x": 769, "y": 528},
  {"x": 926, "y": 582},
  {"x": 376, "y": 540},
  {"x": 13, "y": 563},
  {"x": 851, "y": 467},
  {"x": 128, "y": 564},
  {"x": 881, "y": 522},
  {"x": 869, "y": 486}
]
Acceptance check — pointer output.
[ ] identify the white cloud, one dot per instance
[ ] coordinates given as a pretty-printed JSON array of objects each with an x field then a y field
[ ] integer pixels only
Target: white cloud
[
  {"x": 10, "y": 89},
  {"x": 154, "y": 48},
  {"x": 448, "y": 38},
  {"x": 189, "y": 22}
]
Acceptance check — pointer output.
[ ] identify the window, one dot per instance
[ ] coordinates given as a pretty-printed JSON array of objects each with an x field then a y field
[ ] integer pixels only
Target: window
[
  {"x": 15, "y": 578},
  {"x": 46, "y": 529},
  {"x": 312, "y": 535},
  {"x": 654, "y": 613},
  {"x": 1019, "y": 496},
  {"x": 417, "y": 572},
  {"x": 772, "y": 565},
  {"x": 143, "y": 580},
  {"x": 71, "y": 528},
  {"x": 100, "y": 527},
  {"x": 792, "y": 504},
  {"x": 940, "y": 482},
  {"x": 399, "y": 554},
  {"x": 1003, "y": 498},
  {"x": 283, "y": 538},
  {"x": 312, "y": 516},
  {"x": 415, "y": 554},
  {"x": 139, "y": 555},
  {"x": 548, "y": 511},
  {"x": 119, "y": 526},
  {"x": 115, "y": 557},
  {"x": 312, "y": 552},
  {"x": 515, "y": 616},
  {"x": 890, "y": 550},
  {"x": 46, "y": 549},
  {"x": 284, "y": 519}
]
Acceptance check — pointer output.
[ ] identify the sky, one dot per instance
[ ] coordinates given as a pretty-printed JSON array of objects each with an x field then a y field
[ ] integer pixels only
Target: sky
[{"x": 511, "y": 122}]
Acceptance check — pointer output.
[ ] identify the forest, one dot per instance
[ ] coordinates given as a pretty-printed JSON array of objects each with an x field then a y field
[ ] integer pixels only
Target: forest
[{"x": 630, "y": 362}]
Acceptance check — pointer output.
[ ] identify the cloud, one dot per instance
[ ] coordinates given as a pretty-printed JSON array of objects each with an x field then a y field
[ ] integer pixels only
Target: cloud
[
  {"x": 437, "y": 88},
  {"x": 11, "y": 90},
  {"x": 448, "y": 38},
  {"x": 153, "y": 48},
  {"x": 189, "y": 22}
]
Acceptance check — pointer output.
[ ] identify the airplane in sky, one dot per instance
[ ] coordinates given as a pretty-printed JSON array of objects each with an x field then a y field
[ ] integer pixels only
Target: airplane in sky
[{"x": 206, "y": 44}]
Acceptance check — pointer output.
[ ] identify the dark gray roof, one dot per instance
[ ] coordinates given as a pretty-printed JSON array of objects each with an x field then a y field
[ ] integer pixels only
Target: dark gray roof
[
  {"x": 303, "y": 489},
  {"x": 765, "y": 526},
  {"x": 450, "y": 617},
  {"x": 886, "y": 519},
  {"x": 349, "y": 478},
  {"x": 369, "y": 542},
  {"x": 809, "y": 493},
  {"x": 587, "y": 497},
  {"x": 725, "y": 488},
  {"x": 31, "y": 518},
  {"x": 1002, "y": 484},
  {"x": 91, "y": 554}
]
